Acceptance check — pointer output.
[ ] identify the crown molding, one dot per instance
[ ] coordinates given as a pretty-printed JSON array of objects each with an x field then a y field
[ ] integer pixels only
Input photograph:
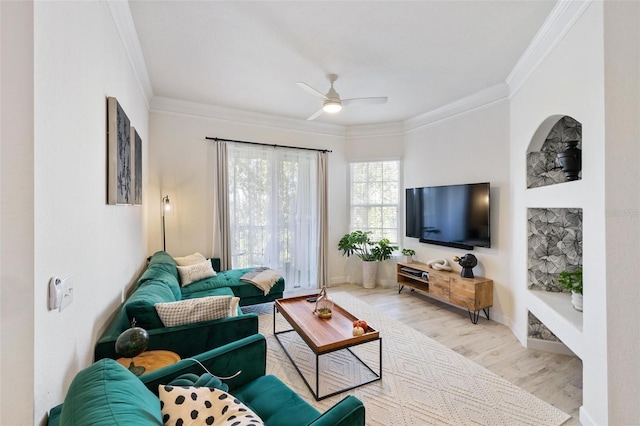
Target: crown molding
[
  {"x": 179, "y": 107},
  {"x": 479, "y": 99},
  {"x": 123, "y": 20},
  {"x": 561, "y": 19},
  {"x": 375, "y": 130}
]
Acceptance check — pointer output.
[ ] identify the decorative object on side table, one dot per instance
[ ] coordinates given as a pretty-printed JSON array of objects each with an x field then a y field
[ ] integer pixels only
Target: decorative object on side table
[
  {"x": 359, "y": 327},
  {"x": 132, "y": 342},
  {"x": 408, "y": 255},
  {"x": 440, "y": 265},
  {"x": 572, "y": 280},
  {"x": 571, "y": 160},
  {"x": 358, "y": 243},
  {"x": 468, "y": 262},
  {"x": 324, "y": 304}
]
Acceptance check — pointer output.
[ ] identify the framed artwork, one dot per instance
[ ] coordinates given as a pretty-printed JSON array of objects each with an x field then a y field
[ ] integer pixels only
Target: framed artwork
[
  {"x": 136, "y": 165},
  {"x": 119, "y": 154}
]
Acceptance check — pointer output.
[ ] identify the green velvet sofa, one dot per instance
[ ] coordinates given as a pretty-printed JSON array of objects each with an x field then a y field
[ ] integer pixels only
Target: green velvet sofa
[
  {"x": 106, "y": 393},
  {"x": 160, "y": 283}
]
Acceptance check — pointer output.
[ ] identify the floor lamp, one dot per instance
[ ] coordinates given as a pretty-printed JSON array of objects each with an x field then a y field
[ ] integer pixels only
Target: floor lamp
[{"x": 166, "y": 207}]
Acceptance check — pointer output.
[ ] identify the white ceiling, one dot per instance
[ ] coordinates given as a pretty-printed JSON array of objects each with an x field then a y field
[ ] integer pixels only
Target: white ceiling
[{"x": 247, "y": 55}]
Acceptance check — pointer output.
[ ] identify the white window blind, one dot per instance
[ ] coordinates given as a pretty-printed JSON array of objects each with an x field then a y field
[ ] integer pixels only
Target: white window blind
[{"x": 375, "y": 198}]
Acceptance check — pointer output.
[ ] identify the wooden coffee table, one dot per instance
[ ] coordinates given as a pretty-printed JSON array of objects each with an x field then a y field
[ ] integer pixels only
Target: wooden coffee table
[{"x": 323, "y": 336}]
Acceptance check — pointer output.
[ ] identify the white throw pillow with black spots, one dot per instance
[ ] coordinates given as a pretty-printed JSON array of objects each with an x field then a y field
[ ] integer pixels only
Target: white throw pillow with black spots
[{"x": 184, "y": 406}]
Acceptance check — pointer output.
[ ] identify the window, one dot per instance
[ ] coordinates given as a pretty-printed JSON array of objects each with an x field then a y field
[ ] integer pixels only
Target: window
[
  {"x": 375, "y": 198},
  {"x": 273, "y": 211}
]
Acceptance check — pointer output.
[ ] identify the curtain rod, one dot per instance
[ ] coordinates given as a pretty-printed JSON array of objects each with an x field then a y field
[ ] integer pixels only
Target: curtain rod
[{"x": 267, "y": 144}]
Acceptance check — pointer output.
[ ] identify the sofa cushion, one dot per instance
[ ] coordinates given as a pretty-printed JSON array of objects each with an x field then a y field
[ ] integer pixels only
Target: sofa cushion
[
  {"x": 140, "y": 305},
  {"x": 162, "y": 257},
  {"x": 106, "y": 393},
  {"x": 166, "y": 274},
  {"x": 203, "y": 406},
  {"x": 276, "y": 403},
  {"x": 195, "y": 310},
  {"x": 196, "y": 272}
]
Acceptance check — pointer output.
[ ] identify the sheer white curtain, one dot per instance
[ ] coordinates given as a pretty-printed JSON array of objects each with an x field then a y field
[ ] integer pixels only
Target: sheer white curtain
[{"x": 273, "y": 211}]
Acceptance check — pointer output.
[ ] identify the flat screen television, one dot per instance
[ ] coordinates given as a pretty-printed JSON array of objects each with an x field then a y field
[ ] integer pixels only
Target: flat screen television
[{"x": 452, "y": 215}]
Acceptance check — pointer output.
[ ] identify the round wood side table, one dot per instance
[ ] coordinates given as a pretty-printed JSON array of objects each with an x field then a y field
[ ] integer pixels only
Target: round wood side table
[{"x": 151, "y": 360}]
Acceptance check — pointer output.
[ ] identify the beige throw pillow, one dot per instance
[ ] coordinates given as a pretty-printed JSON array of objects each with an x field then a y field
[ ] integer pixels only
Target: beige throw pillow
[
  {"x": 195, "y": 310},
  {"x": 192, "y": 259},
  {"x": 197, "y": 272}
]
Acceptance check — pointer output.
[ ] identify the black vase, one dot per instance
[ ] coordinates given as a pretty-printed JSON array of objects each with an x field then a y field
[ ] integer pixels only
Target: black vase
[{"x": 571, "y": 160}]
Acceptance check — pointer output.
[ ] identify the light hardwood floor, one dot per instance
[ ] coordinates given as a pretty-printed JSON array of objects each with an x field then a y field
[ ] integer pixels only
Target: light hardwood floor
[{"x": 554, "y": 378}]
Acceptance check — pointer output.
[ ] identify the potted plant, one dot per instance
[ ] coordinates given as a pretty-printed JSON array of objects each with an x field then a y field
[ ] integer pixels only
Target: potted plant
[
  {"x": 407, "y": 255},
  {"x": 359, "y": 244},
  {"x": 572, "y": 280}
]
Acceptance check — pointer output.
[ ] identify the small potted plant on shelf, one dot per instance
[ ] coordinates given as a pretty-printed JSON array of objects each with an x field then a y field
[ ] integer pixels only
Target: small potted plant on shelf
[
  {"x": 572, "y": 280},
  {"x": 359, "y": 244},
  {"x": 407, "y": 255}
]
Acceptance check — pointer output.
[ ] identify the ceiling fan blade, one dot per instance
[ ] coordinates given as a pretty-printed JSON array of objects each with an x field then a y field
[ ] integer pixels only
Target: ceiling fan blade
[
  {"x": 365, "y": 101},
  {"x": 316, "y": 114},
  {"x": 311, "y": 90}
]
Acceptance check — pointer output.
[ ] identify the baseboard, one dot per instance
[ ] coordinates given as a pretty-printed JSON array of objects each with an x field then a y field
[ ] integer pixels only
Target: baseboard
[
  {"x": 337, "y": 280},
  {"x": 549, "y": 346},
  {"x": 585, "y": 418}
]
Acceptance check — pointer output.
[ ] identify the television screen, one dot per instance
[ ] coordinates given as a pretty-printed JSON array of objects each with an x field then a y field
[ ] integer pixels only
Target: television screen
[
  {"x": 452, "y": 215},
  {"x": 413, "y": 212}
]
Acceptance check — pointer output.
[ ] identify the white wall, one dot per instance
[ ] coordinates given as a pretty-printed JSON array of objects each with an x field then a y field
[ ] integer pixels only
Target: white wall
[
  {"x": 569, "y": 81},
  {"x": 16, "y": 214},
  {"x": 622, "y": 208},
  {"x": 181, "y": 165},
  {"x": 468, "y": 148},
  {"x": 79, "y": 61}
]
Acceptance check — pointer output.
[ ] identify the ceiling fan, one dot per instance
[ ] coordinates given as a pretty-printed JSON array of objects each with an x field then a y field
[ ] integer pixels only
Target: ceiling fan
[{"x": 332, "y": 102}]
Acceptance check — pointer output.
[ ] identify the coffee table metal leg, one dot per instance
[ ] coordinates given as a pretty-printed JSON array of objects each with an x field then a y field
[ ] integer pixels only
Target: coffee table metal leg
[
  {"x": 317, "y": 377},
  {"x": 316, "y": 392}
]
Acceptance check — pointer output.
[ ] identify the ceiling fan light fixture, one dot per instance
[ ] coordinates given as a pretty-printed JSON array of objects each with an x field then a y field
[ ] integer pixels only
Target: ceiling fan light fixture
[{"x": 331, "y": 106}]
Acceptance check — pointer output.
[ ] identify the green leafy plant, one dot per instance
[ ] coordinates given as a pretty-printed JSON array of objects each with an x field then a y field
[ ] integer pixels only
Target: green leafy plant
[
  {"x": 408, "y": 252},
  {"x": 359, "y": 244},
  {"x": 571, "y": 280},
  {"x": 382, "y": 250}
]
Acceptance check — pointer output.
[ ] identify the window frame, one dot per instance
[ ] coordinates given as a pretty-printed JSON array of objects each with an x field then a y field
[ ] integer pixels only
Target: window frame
[{"x": 399, "y": 205}]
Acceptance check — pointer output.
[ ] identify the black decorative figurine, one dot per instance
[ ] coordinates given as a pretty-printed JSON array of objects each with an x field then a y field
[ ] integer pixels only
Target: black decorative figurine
[
  {"x": 468, "y": 261},
  {"x": 571, "y": 160}
]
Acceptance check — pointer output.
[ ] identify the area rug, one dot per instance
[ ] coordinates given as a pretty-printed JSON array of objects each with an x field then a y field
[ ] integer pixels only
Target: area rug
[{"x": 423, "y": 382}]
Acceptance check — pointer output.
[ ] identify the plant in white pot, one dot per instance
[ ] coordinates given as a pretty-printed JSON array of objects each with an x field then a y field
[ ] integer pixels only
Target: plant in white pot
[
  {"x": 407, "y": 255},
  {"x": 572, "y": 280},
  {"x": 359, "y": 244}
]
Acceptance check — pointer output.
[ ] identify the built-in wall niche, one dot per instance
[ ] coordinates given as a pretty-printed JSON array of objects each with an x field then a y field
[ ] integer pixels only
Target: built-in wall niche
[
  {"x": 563, "y": 143},
  {"x": 537, "y": 330},
  {"x": 554, "y": 245}
]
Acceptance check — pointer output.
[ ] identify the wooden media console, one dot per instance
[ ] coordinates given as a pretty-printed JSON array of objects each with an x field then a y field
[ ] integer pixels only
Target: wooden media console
[{"x": 474, "y": 294}]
